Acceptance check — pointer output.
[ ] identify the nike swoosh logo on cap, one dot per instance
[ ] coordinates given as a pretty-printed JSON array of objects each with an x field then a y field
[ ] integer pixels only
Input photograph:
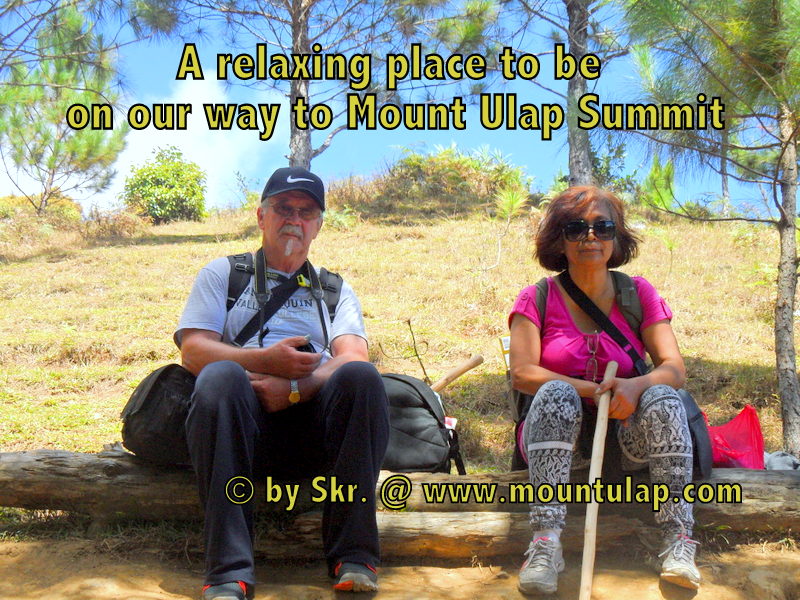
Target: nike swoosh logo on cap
[{"x": 291, "y": 179}]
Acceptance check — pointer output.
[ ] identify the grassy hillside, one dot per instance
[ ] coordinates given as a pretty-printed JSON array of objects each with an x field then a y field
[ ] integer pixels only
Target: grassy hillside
[{"x": 81, "y": 324}]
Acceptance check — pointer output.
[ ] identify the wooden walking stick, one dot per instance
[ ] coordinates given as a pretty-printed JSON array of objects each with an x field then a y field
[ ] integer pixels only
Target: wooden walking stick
[
  {"x": 595, "y": 469},
  {"x": 457, "y": 372}
]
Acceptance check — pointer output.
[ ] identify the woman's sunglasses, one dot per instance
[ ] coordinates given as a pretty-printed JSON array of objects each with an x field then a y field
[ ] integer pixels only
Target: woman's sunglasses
[{"x": 604, "y": 230}]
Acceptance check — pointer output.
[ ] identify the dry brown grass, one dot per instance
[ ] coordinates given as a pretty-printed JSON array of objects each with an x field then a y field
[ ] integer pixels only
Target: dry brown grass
[{"x": 80, "y": 328}]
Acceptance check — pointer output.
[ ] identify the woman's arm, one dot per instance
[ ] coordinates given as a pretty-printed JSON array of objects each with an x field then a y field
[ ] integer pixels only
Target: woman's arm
[
  {"x": 525, "y": 352},
  {"x": 661, "y": 345}
]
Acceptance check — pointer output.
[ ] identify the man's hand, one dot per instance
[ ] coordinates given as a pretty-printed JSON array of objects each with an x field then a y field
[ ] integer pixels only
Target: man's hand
[
  {"x": 272, "y": 392},
  {"x": 284, "y": 359},
  {"x": 624, "y": 398}
]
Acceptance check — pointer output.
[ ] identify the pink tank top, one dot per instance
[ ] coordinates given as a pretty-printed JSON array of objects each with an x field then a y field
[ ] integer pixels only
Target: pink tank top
[{"x": 569, "y": 351}]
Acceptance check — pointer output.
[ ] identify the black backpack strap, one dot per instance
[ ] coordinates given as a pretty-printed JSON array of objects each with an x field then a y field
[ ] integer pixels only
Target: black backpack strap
[
  {"x": 241, "y": 271},
  {"x": 541, "y": 298},
  {"x": 600, "y": 318},
  {"x": 332, "y": 287},
  {"x": 269, "y": 300},
  {"x": 455, "y": 452},
  {"x": 424, "y": 391},
  {"x": 628, "y": 300}
]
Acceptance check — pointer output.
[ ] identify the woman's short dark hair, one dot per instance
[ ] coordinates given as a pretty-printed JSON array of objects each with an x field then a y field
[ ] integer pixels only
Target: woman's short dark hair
[{"x": 571, "y": 205}]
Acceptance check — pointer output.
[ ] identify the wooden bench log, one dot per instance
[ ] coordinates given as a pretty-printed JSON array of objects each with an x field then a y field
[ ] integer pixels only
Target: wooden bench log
[
  {"x": 441, "y": 535},
  {"x": 113, "y": 485}
]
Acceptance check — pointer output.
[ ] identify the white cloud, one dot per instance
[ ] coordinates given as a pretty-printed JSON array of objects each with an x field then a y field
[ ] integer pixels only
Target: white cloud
[{"x": 220, "y": 154}]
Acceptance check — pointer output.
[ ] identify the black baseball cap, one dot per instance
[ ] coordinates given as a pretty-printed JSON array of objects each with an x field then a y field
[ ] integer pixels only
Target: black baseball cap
[{"x": 288, "y": 179}]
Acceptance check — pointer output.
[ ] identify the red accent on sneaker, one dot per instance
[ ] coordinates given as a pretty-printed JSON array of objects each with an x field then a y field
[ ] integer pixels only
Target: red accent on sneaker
[
  {"x": 242, "y": 585},
  {"x": 347, "y": 586}
]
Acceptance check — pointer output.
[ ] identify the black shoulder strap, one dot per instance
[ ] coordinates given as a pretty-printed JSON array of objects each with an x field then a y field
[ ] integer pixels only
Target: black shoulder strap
[
  {"x": 278, "y": 297},
  {"x": 600, "y": 318},
  {"x": 455, "y": 452},
  {"x": 332, "y": 288},
  {"x": 541, "y": 298},
  {"x": 241, "y": 270},
  {"x": 627, "y": 297}
]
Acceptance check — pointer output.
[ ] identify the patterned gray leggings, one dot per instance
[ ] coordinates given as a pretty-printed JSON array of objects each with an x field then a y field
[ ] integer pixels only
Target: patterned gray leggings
[{"x": 657, "y": 434}]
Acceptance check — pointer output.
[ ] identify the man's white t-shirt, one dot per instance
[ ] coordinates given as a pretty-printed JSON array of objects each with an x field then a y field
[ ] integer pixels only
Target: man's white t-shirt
[{"x": 300, "y": 315}]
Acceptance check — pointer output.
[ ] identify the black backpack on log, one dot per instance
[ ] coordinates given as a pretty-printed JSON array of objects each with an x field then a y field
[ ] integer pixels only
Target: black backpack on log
[
  {"x": 419, "y": 440},
  {"x": 153, "y": 419}
]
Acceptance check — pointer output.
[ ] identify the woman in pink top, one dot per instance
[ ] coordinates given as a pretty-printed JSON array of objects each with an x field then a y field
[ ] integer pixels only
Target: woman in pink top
[{"x": 561, "y": 361}]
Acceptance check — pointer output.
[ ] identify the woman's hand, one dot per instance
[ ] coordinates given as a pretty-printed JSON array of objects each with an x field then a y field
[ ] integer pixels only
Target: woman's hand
[{"x": 625, "y": 395}]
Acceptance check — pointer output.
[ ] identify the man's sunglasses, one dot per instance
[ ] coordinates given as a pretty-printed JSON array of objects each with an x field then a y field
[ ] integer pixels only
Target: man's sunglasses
[
  {"x": 604, "y": 230},
  {"x": 286, "y": 212}
]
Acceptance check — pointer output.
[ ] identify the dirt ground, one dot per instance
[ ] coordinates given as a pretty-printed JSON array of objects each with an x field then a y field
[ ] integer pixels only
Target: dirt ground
[{"x": 79, "y": 569}]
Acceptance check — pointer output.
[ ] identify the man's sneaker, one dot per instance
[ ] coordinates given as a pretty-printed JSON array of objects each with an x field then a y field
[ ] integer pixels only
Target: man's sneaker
[
  {"x": 355, "y": 577},
  {"x": 678, "y": 566},
  {"x": 539, "y": 573},
  {"x": 235, "y": 590}
]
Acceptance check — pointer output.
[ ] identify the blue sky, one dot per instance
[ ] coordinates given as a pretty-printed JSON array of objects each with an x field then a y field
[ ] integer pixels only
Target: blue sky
[{"x": 149, "y": 70}]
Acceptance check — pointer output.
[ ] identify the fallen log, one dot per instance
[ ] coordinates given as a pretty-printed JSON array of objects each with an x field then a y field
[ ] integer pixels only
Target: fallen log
[
  {"x": 440, "y": 535},
  {"x": 117, "y": 485}
]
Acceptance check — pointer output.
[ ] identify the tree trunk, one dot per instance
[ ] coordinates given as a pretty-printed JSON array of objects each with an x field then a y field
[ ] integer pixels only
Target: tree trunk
[
  {"x": 300, "y": 151},
  {"x": 723, "y": 173},
  {"x": 580, "y": 151},
  {"x": 787, "y": 285}
]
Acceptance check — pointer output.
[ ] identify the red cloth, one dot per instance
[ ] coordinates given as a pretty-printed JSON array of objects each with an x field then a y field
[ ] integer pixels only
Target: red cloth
[{"x": 738, "y": 443}]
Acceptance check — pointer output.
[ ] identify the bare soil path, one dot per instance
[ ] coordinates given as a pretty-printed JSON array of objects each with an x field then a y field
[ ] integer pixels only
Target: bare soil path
[{"x": 82, "y": 570}]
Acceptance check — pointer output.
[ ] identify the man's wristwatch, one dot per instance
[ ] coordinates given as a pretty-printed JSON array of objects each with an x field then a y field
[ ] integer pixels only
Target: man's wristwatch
[{"x": 294, "y": 394}]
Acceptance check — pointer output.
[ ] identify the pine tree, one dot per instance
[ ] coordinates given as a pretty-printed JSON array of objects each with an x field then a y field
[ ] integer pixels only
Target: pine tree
[
  {"x": 35, "y": 138},
  {"x": 747, "y": 53}
]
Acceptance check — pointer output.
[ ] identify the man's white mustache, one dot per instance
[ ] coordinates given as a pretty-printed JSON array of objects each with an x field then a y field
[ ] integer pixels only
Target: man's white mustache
[{"x": 293, "y": 230}]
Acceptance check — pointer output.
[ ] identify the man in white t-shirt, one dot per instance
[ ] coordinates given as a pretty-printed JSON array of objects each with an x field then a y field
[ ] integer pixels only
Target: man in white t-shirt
[{"x": 264, "y": 407}]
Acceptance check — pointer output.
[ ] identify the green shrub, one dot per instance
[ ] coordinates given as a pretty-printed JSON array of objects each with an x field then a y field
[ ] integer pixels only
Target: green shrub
[
  {"x": 341, "y": 219},
  {"x": 166, "y": 188},
  {"x": 444, "y": 182}
]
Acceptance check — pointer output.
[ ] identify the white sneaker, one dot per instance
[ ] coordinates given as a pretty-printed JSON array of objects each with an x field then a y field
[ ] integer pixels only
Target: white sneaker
[
  {"x": 678, "y": 565},
  {"x": 539, "y": 572}
]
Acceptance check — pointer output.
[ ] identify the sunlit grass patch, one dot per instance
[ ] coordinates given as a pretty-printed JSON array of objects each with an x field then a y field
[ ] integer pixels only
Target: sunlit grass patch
[{"x": 79, "y": 331}]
